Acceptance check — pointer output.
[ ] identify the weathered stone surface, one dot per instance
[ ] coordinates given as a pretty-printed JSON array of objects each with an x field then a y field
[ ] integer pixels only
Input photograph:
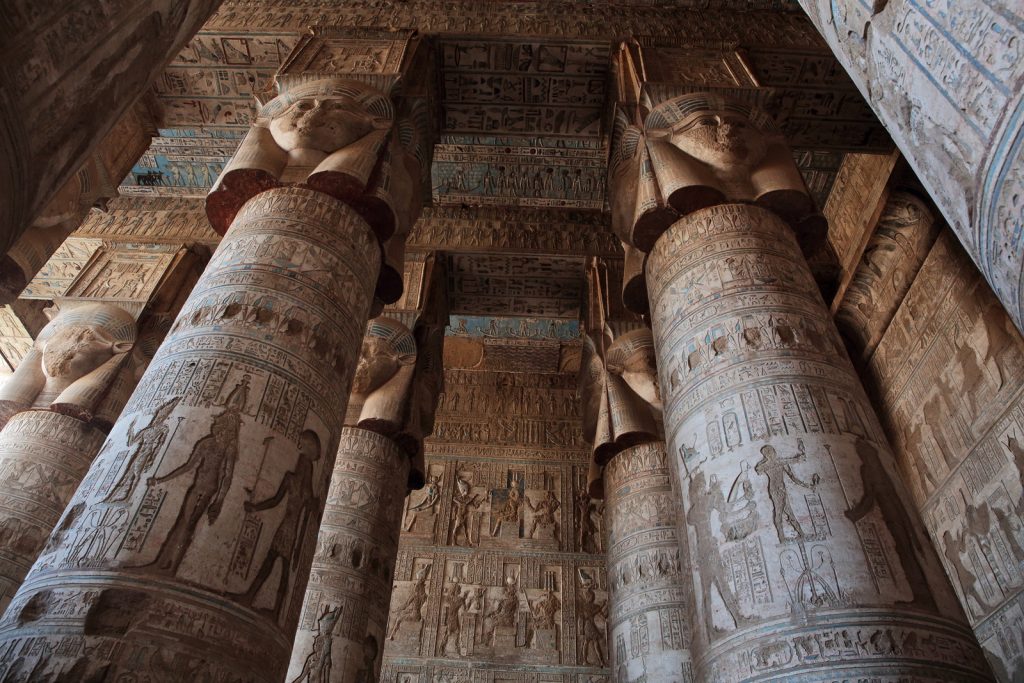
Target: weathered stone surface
[
  {"x": 198, "y": 518},
  {"x": 945, "y": 79},
  {"x": 69, "y": 73},
  {"x": 895, "y": 251},
  {"x": 949, "y": 374},
  {"x": 774, "y": 438},
  {"x": 649, "y": 582},
  {"x": 345, "y": 614}
]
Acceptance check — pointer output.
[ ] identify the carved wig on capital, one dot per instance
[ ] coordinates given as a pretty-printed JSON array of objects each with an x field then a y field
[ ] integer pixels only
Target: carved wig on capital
[
  {"x": 337, "y": 136},
  {"x": 696, "y": 151},
  {"x": 75, "y": 366},
  {"x": 621, "y": 398}
]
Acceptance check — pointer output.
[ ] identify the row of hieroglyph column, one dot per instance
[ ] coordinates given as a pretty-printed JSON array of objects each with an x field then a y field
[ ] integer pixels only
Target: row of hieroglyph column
[{"x": 748, "y": 484}]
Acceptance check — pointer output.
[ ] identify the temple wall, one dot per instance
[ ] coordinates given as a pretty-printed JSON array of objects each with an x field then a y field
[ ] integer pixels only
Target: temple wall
[
  {"x": 949, "y": 375},
  {"x": 487, "y": 614}
]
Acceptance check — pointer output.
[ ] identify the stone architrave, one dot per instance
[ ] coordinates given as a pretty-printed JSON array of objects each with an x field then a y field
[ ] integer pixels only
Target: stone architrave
[
  {"x": 893, "y": 256},
  {"x": 828, "y": 567},
  {"x": 944, "y": 79},
  {"x": 69, "y": 72},
  {"x": 201, "y": 562},
  {"x": 647, "y": 566},
  {"x": 58, "y": 406}
]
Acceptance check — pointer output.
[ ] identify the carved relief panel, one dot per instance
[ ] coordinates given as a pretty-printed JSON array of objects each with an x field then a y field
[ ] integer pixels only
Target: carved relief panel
[
  {"x": 500, "y": 574},
  {"x": 950, "y": 375}
]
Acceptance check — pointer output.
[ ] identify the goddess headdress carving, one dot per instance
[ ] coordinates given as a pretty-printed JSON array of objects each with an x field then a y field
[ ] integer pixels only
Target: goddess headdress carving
[
  {"x": 333, "y": 135},
  {"x": 74, "y": 365},
  {"x": 695, "y": 151},
  {"x": 621, "y": 397}
]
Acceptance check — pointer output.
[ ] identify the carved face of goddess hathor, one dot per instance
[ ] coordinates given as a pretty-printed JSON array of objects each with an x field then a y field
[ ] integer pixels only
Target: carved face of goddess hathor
[
  {"x": 726, "y": 142},
  {"x": 316, "y": 126},
  {"x": 76, "y": 350},
  {"x": 378, "y": 362},
  {"x": 381, "y": 386},
  {"x": 632, "y": 357}
]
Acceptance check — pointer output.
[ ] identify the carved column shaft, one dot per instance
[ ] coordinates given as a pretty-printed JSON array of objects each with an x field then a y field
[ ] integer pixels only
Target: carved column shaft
[
  {"x": 648, "y": 624},
  {"x": 345, "y": 614},
  {"x": 188, "y": 546},
  {"x": 803, "y": 550},
  {"x": 43, "y": 458}
]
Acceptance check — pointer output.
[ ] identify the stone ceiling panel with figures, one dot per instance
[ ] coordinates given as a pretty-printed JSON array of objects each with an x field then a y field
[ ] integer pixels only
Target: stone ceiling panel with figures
[{"x": 533, "y": 286}]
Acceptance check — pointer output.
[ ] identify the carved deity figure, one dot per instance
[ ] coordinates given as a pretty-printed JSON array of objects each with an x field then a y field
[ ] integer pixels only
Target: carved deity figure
[
  {"x": 382, "y": 389},
  {"x": 336, "y": 136},
  {"x": 453, "y": 605},
  {"x": 778, "y": 469},
  {"x": 953, "y": 549},
  {"x": 463, "y": 502},
  {"x": 213, "y": 461},
  {"x": 317, "y": 667},
  {"x": 301, "y": 508},
  {"x": 585, "y": 527},
  {"x": 546, "y": 609},
  {"x": 713, "y": 570},
  {"x": 147, "y": 443},
  {"x": 588, "y": 610},
  {"x": 881, "y": 492},
  {"x": 412, "y": 608},
  {"x": 694, "y": 151},
  {"x": 429, "y": 502},
  {"x": 508, "y": 511},
  {"x": 544, "y": 514},
  {"x": 73, "y": 363},
  {"x": 505, "y": 612}
]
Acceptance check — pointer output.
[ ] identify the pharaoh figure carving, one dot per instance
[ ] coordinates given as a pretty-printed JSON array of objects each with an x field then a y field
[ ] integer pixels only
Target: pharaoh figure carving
[
  {"x": 767, "y": 425},
  {"x": 73, "y": 364}
]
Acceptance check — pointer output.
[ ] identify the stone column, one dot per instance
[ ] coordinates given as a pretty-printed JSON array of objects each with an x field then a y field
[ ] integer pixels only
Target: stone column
[
  {"x": 345, "y": 614},
  {"x": 804, "y": 554},
  {"x": 188, "y": 546},
  {"x": 944, "y": 79},
  {"x": 344, "y": 620},
  {"x": 897, "y": 249},
  {"x": 57, "y": 408},
  {"x": 648, "y": 575},
  {"x": 69, "y": 71}
]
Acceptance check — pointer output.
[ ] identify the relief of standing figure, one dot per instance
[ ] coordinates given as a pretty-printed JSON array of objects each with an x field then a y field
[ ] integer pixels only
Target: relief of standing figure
[
  {"x": 777, "y": 470},
  {"x": 147, "y": 441},
  {"x": 301, "y": 507},
  {"x": 213, "y": 460},
  {"x": 317, "y": 667}
]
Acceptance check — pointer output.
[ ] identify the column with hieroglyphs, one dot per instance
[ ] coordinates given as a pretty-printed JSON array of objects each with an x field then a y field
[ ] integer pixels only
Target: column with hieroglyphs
[
  {"x": 648, "y": 577},
  {"x": 201, "y": 565},
  {"x": 57, "y": 408},
  {"x": 804, "y": 553},
  {"x": 344, "y": 622}
]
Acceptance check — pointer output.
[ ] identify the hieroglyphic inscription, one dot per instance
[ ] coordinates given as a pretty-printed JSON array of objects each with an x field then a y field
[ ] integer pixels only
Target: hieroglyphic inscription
[
  {"x": 536, "y": 286},
  {"x": 950, "y": 374},
  {"x": 792, "y": 504}
]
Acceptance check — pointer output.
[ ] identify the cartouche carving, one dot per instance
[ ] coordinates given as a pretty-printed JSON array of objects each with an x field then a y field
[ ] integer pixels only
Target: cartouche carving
[{"x": 74, "y": 363}]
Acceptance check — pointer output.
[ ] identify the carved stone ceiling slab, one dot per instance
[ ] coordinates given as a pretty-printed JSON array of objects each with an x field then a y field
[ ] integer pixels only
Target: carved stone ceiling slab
[
  {"x": 521, "y": 123},
  {"x": 531, "y": 286}
]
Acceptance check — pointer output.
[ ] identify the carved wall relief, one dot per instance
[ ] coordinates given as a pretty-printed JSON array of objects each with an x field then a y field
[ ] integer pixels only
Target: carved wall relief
[
  {"x": 497, "y": 567},
  {"x": 948, "y": 373},
  {"x": 901, "y": 241}
]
